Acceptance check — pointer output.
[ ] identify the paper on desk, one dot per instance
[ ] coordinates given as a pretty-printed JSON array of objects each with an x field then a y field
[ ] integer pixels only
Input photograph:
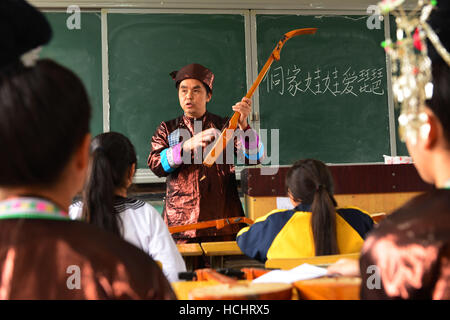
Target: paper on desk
[{"x": 302, "y": 272}]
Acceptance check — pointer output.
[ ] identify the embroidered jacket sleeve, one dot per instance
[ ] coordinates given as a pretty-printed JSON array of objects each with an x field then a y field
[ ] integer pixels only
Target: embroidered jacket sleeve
[
  {"x": 165, "y": 156},
  {"x": 250, "y": 146}
]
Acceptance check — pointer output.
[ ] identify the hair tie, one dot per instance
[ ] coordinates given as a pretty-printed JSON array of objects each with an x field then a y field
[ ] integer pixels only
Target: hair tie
[
  {"x": 320, "y": 187},
  {"x": 30, "y": 58}
]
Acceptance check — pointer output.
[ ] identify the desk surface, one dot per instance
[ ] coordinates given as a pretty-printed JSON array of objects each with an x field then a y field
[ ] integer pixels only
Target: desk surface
[
  {"x": 340, "y": 288},
  {"x": 182, "y": 288},
  {"x": 286, "y": 264},
  {"x": 224, "y": 248},
  {"x": 190, "y": 249},
  {"x": 343, "y": 288}
]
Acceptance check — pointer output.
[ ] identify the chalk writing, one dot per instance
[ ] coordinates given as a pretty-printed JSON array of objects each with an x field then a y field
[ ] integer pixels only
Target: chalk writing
[{"x": 294, "y": 81}]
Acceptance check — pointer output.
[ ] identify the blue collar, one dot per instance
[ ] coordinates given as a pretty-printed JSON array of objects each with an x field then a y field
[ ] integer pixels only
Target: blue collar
[{"x": 303, "y": 207}]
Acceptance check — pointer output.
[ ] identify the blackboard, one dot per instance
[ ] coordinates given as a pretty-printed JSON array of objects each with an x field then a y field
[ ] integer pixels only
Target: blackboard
[
  {"x": 80, "y": 51},
  {"x": 144, "y": 48},
  {"x": 328, "y": 93}
]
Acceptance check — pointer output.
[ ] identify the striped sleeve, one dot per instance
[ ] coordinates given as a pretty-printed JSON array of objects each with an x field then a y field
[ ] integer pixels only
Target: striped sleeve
[
  {"x": 171, "y": 158},
  {"x": 255, "y": 240}
]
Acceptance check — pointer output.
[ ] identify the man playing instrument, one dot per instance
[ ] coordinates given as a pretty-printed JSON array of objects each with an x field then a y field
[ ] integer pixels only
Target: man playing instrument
[{"x": 195, "y": 192}]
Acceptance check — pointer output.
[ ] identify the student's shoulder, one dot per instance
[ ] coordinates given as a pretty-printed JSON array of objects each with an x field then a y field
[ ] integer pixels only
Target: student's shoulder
[
  {"x": 414, "y": 217},
  {"x": 124, "y": 204},
  {"x": 271, "y": 223},
  {"x": 96, "y": 242},
  {"x": 138, "y": 209},
  {"x": 353, "y": 212},
  {"x": 435, "y": 202},
  {"x": 276, "y": 214}
]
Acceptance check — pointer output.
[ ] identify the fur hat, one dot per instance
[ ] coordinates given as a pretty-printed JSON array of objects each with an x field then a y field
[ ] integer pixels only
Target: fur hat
[{"x": 194, "y": 71}]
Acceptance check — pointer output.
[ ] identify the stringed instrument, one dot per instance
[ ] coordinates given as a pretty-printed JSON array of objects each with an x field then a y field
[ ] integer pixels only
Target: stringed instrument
[{"x": 227, "y": 134}]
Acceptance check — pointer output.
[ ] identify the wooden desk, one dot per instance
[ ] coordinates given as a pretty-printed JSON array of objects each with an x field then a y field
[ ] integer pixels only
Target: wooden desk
[
  {"x": 227, "y": 254},
  {"x": 189, "y": 251},
  {"x": 286, "y": 264},
  {"x": 341, "y": 288},
  {"x": 223, "y": 248},
  {"x": 182, "y": 288},
  {"x": 344, "y": 288},
  {"x": 218, "y": 250}
]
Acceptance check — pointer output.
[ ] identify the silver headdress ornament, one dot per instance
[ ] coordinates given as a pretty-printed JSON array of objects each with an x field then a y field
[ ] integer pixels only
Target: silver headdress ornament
[
  {"x": 411, "y": 67},
  {"x": 30, "y": 58}
]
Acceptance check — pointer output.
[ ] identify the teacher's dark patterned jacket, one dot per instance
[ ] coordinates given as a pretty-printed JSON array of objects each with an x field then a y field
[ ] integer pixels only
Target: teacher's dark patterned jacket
[{"x": 195, "y": 192}]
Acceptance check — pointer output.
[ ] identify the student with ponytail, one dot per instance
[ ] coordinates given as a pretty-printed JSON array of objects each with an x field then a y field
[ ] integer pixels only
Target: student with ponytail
[
  {"x": 106, "y": 205},
  {"x": 314, "y": 227}
]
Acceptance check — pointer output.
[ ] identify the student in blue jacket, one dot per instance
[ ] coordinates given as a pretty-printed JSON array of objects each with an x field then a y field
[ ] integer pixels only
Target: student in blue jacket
[{"x": 314, "y": 227}]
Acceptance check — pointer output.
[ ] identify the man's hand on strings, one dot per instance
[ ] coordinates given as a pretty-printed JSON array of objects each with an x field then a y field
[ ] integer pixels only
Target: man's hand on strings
[{"x": 244, "y": 107}]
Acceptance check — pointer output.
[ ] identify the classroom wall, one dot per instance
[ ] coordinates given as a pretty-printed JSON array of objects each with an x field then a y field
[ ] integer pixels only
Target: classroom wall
[
  {"x": 374, "y": 188},
  {"x": 249, "y": 9}
]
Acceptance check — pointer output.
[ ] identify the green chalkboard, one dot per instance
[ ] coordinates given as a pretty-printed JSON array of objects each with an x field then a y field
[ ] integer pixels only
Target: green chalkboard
[
  {"x": 328, "y": 93},
  {"x": 80, "y": 50},
  {"x": 144, "y": 48}
]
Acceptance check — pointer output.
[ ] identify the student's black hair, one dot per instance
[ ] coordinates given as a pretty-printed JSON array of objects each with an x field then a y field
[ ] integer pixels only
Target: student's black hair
[
  {"x": 112, "y": 155},
  {"x": 44, "y": 116},
  {"x": 310, "y": 182},
  {"x": 440, "y": 70}
]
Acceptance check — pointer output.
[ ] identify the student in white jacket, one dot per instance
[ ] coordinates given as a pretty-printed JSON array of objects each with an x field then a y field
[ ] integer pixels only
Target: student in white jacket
[{"x": 105, "y": 203}]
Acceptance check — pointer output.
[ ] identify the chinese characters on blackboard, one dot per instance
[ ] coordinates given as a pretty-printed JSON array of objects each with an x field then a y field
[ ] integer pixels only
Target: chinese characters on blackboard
[{"x": 294, "y": 81}]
